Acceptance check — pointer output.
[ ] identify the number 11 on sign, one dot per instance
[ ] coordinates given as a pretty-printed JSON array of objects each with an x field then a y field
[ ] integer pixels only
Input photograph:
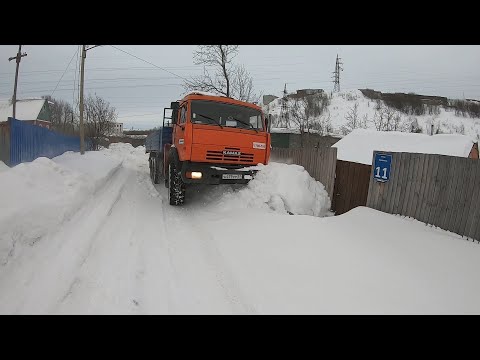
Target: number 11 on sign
[
  {"x": 382, "y": 165},
  {"x": 384, "y": 176}
]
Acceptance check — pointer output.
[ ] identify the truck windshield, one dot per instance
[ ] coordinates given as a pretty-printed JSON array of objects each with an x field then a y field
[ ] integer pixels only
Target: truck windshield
[{"x": 228, "y": 115}]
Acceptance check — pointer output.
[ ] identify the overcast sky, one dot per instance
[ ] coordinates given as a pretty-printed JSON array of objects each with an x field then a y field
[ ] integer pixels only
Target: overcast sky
[{"x": 140, "y": 91}]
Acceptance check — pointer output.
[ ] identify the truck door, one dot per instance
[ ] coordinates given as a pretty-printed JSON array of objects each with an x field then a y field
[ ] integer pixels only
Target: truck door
[{"x": 180, "y": 132}]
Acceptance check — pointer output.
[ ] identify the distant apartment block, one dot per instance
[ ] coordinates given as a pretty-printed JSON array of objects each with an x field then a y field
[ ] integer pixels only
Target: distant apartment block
[{"x": 118, "y": 129}]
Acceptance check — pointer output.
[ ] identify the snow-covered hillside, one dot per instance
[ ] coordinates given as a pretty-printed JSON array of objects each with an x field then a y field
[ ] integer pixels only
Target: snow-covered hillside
[{"x": 342, "y": 103}]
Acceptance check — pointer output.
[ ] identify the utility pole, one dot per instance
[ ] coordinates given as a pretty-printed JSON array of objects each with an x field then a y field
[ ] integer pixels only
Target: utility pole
[
  {"x": 82, "y": 77},
  {"x": 18, "y": 58},
  {"x": 336, "y": 76},
  {"x": 82, "y": 73}
]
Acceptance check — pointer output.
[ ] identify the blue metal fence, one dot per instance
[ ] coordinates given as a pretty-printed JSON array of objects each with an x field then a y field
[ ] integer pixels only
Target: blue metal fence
[{"x": 28, "y": 142}]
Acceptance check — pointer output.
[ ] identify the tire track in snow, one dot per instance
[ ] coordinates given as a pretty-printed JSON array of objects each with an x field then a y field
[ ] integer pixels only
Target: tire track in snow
[
  {"x": 181, "y": 222},
  {"x": 96, "y": 206},
  {"x": 225, "y": 277},
  {"x": 142, "y": 271},
  {"x": 75, "y": 240},
  {"x": 143, "y": 178}
]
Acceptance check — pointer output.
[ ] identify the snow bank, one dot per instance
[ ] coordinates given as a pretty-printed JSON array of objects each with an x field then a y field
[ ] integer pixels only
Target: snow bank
[
  {"x": 3, "y": 167},
  {"x": 362, "y": 262},
  {"x": 38, "y": 196},
  {"x": 279, "y": 188},
  {"x": 358, "y": 146}
]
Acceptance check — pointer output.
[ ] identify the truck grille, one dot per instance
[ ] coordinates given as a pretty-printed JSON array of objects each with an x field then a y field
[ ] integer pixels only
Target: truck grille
[{"x": 220, "y": 156}]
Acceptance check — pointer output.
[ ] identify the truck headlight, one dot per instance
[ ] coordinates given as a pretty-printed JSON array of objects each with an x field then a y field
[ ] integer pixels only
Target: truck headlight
[{"x": 194, "y": 175}]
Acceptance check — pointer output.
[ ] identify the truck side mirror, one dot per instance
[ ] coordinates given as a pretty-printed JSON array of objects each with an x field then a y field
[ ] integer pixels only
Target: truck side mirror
[{"x": 174, "y": 106}]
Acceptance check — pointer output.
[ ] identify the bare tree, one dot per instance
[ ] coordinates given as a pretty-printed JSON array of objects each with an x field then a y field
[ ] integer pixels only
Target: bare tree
[
  {"x": 388, "y": 119},
  {"x": 365, "y": 121},
  {"x": 299, "y": 115},
  {"x": 62, "y": 115},
  {"x": 219, "y": 57},
  {"x": 242, "y": 86},
  {"x": 220, "y": 75},
  {"x": 306, "y": 111},
  {"x": 323, "y": 124},
  {"x": 353, "y": 120},
  {"x": 101, "y": 118},
  {"x": 396, "y": 123}
]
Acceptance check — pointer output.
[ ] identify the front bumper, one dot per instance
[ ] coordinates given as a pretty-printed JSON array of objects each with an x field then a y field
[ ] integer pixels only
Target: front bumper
[{"x": 213, "y": 173}]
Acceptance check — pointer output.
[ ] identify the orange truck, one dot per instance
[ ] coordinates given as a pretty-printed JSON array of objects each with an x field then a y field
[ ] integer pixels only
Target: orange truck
[{"x": 207, "y": 140}]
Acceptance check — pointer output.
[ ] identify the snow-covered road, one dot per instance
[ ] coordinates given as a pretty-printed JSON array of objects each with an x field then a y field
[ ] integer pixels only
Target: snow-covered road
[{"x": 116, "y": 246}]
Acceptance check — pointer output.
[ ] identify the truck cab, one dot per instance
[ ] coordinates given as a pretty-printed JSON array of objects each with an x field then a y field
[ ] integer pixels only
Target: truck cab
[{"x": 215, "y": 140}]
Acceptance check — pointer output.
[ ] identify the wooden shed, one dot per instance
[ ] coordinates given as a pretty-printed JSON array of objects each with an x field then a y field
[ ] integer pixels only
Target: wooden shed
[{"x": 291, "y": 139}]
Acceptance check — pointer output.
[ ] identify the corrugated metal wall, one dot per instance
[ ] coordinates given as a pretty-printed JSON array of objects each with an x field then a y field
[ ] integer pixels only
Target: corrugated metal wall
[
  {"x": 5, "y": 142},
  {"x": 28, "y": 142}
]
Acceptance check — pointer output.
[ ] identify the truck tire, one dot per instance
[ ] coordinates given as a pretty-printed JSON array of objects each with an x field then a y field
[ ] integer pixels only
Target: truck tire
[
  {"x": 154, "y": 171},
  {"x": 150, "y": 166},
  {"x": 176, "y": 186}
]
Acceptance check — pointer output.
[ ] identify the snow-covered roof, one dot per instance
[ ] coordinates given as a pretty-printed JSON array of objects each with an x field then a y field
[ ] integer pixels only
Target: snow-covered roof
[
  {"x": 204, "y": 93},
  {"x": 27, "y": 109},
  {"x": 284, "y": 131},
  {"x": 358, "y": 146}
]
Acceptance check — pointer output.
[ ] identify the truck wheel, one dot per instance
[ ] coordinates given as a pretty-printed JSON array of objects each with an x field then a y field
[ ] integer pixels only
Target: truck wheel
[
  {"x": 176, "y": 188},
  {"x": 154, "y": 170},
  {"x": 150, "y": 166}
]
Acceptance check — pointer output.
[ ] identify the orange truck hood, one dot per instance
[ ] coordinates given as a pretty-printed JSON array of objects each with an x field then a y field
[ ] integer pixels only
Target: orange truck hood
[{"x": 228, "y": 146}]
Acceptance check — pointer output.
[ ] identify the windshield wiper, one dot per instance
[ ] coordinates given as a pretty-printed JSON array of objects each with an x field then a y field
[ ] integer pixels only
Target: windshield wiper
[
  {"x": 211, "y": 119},
  {"x": 245, "y": 123}
]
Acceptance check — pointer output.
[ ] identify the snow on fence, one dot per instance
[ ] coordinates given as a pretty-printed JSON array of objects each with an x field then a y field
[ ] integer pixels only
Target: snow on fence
[
  {"x": 319, "y": 162},
  {"x": 439, "y": 190},
  {"x": 22, "y": 142}
]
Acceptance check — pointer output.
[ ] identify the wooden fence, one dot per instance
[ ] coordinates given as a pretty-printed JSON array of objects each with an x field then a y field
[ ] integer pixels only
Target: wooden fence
[
  {"x": 440, "y": 190},
  {"x": 319, "y": 162}
]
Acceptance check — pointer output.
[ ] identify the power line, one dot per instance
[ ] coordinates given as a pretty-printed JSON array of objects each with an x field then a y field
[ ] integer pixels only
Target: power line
[
  {"x": 101, "y": 79},
  {"x": 61, "y": 77},
  {"x": 99, "y": 88},
  {"x": 148, "y": 62},
  {"x": 463, "y": 82},
  {"x": 121, "y": 117}
]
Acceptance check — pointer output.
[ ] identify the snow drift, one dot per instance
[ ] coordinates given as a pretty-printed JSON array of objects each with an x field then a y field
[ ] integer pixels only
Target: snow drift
[
  {"x": 38, "y": 196},
  {"x": 277, "y": 187}
]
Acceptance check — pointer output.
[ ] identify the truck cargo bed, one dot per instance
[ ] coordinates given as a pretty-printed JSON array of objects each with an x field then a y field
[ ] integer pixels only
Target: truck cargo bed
[{"x": 152, "y": 142}]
